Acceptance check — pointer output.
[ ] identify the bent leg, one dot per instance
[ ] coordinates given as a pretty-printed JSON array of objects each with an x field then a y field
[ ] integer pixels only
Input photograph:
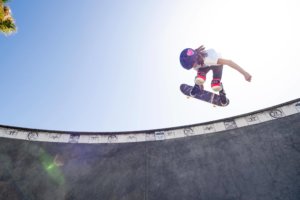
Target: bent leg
[
  {"x": 201, "y": 76},
  {"x": 216, "y": 83}
]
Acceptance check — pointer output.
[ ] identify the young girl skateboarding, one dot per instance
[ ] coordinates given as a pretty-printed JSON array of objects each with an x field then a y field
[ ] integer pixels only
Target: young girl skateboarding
[{"x": 203, "y": 61}]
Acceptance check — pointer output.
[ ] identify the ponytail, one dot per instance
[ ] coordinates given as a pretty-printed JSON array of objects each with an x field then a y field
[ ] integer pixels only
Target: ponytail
[{"x": 201, "y": 54}]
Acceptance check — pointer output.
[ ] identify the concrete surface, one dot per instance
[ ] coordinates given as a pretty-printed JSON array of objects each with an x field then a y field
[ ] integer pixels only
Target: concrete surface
[{"x": 257, "y": 162}]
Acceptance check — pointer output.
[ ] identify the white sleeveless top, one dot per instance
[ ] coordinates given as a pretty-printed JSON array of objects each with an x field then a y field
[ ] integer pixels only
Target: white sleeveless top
[{"x": 211, "y": 59}]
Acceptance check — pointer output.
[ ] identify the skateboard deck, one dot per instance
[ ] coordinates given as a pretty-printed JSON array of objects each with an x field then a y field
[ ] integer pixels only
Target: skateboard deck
[{"x": 203, "y": 95}]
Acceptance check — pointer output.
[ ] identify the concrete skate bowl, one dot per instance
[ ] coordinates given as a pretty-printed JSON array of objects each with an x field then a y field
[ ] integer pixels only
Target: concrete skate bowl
[{"x": 255, "y": 156}]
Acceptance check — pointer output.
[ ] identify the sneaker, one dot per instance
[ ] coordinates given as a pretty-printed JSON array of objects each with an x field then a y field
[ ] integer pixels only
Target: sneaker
[
  {"x": 216, "y": 85},
  {"x": 224, "y": 101},
  {"x": 195, "y": 90}
]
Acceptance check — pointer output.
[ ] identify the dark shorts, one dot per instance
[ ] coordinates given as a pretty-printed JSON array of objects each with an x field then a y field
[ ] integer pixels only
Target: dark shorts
[{"x": 216, "y": 69}]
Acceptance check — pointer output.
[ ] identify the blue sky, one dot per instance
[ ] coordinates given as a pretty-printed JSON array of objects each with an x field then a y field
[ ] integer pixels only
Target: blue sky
[{"x": 113, "y": 65}]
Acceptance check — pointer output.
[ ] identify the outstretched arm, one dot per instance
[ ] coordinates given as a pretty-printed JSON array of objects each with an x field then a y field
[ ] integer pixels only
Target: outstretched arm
[{"x": 235, "y": 66}]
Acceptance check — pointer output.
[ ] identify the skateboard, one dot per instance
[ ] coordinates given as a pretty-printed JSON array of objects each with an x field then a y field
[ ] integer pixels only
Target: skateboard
[{"x": 203, "y": 95}]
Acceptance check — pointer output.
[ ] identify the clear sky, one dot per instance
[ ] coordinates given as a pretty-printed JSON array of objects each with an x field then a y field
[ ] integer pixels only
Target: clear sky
[{"x": 114, "y": 65}]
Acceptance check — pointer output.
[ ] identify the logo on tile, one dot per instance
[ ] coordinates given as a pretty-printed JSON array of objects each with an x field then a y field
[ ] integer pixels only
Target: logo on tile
[
  {"x": 32, "y": 136},
  {"x": 188, "y": 131},
  {"x": 252, "y": 119},
  {"x": 74, "y": 138},
  {"x": 230, "y": 125},
  {"x": 112, "y": 139},
  {"x": 276, "y": 113}
]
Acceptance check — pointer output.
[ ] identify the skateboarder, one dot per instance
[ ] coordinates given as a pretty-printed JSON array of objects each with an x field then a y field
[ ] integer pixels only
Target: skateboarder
[{"x": 203, "y": 61}]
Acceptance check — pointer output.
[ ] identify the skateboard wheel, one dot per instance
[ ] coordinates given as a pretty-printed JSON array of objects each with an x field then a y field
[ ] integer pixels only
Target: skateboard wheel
[{"x": 226, "y": 104}]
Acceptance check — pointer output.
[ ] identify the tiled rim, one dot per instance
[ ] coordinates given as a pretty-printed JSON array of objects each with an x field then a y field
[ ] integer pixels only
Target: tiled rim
[{"x": 268, "y": 114}]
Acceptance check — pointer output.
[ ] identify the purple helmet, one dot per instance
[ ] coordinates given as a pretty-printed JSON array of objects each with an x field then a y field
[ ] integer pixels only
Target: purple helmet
[{"x": 188, "y": 58}]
